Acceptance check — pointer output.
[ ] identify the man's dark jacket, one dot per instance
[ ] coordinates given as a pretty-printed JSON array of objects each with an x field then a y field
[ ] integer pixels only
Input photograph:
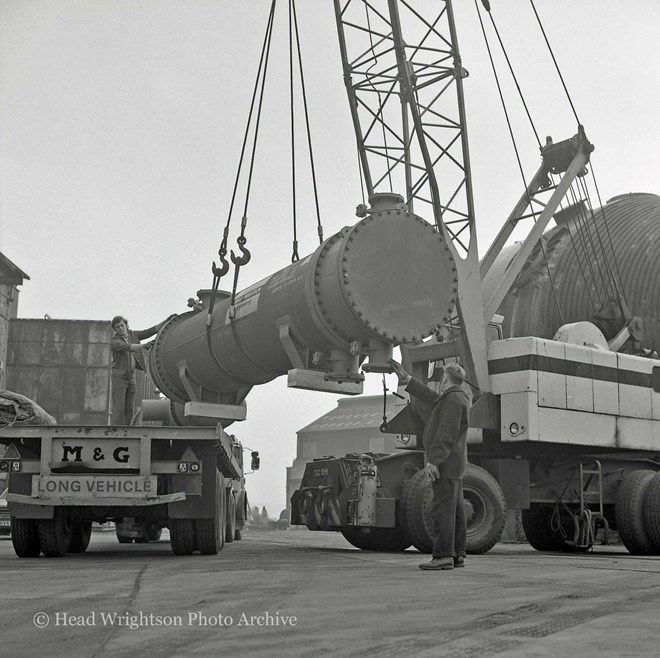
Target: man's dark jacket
[
  {"x": 123, "y": 360},
  {"x": 445, "y": 432}
]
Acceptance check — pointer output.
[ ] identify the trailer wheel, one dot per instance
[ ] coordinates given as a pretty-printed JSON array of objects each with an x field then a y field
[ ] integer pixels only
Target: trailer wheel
[
  {"x": 230, "y": 528},
  {"x": 182, "y": 536},
  {"x": 211, "y": 532},
  {"x": 55, "y": 534},
  {"x": 81, "y": 533},
  {"x": 238, "y": 534},
  {"x": 629, "y": 512},
  {"x": 415, "y": 501},
  {"x": 25, "y": 537}
]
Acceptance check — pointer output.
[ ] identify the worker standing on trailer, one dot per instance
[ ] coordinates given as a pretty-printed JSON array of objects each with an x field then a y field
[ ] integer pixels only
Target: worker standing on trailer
[
  {"x": 127, "y": 356},
  {"x": 445, "y": 444}
]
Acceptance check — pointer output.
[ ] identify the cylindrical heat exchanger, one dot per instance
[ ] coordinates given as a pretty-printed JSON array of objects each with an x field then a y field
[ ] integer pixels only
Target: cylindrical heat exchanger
[{"x": 388, "y": 279}]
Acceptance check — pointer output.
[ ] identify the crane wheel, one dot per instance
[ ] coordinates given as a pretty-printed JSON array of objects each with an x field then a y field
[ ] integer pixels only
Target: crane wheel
[
  {"x": 386, "y": 540},
  {"x": 361, "y": 538},
  {"x": 392, "y": 540},
  {"x": 537, "y": 525},
  {"x": 414, "y": 504},
  {"x": 629, "y": 512},
  {"x": 485, "y": 510},
  {"x": 550, "y": 528},
  {"x": 652, "y": 512}
]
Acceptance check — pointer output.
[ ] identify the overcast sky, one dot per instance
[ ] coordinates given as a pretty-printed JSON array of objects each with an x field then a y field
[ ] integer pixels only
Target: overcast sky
[{"x": 121, "y": 123}]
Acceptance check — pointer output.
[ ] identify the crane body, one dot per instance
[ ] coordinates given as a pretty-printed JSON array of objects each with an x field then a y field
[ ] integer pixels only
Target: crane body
[{"x": 563, "y": 427}]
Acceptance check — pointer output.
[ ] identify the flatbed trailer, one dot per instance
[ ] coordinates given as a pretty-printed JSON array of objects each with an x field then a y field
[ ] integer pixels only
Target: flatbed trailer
[{"x": 63, "y": 478}]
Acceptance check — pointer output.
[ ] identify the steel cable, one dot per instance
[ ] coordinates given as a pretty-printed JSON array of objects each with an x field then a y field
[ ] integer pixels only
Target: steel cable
[{"x": 319, "y": 225}]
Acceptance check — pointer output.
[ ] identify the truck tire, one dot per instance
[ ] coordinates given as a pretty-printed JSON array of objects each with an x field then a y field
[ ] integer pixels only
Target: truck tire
[
  {"x": 392, "y": 540},
  {"x": 81, "y": 533},
  {"x": 414, "y": 503},
  {"x": 537, "y": 524},
  {"x": 210, "y": 533},
  {"x": 25, "y": 537},
  {"x": 230, "y": 528},
  {"x": 55, "y": 534},
  {"x": 550, "y": 527},
  {"x": 182, "y": 536},
  {"x": 121, "y": 537},
  {"x": 539, "y": 534},
  {"x": 485, "y": 510},
  {"x": 629, "y": 512},
  {"x": 153, "y": 532},
  {"x": 241, "y": 514},
  {"x": 652, "y": 512},
  {"x": 486, "y": 517},
  {"x": 386, "y": 540},
  {"x": 361, "y": 538},
  {"x": 142, "y": 538}
]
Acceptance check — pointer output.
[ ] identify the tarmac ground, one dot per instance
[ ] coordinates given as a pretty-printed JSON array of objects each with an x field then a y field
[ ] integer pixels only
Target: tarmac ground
[{"x": 301, "y": 593}]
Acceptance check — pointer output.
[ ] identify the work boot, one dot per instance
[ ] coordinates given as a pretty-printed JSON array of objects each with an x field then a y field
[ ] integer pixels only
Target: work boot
[
  {"x": 459, "y": 561},
  {"x": 438, "y": 563}
]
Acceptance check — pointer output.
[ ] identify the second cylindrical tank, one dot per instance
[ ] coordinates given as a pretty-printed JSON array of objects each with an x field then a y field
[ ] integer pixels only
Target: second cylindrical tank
[{"x": 623, "y": 239}]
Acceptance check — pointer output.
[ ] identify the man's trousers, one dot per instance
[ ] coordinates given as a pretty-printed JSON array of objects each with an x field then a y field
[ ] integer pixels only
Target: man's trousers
[{"x": 448, "y": 515}]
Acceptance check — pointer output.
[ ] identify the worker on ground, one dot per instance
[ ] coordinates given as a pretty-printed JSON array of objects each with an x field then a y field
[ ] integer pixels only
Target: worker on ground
[
  {"x": 127, "y": 356},
  {"x": 445, "y": 444}
]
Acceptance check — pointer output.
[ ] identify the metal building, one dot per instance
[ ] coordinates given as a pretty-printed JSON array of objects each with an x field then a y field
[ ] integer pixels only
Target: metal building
[{"x": 10, "y": 278}]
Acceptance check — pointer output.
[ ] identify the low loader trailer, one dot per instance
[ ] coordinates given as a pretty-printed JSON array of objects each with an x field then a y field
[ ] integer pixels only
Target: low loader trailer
[{"x": 63, "y": 478}]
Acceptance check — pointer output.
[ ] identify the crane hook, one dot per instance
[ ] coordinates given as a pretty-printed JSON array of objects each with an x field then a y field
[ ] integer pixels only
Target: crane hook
[
  {"x": 245, "y": 258},
  {"x": 219, "y": 272}
]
